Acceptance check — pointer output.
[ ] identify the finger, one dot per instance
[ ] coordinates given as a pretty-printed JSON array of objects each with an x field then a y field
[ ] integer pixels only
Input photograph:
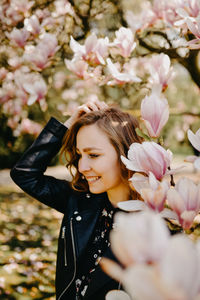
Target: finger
[
  {"x": 96, "y": 105},
  {"x": 83, "y": 109},
  {"x": 93, "y": 106},
  {"x": 101, "y": 104}
]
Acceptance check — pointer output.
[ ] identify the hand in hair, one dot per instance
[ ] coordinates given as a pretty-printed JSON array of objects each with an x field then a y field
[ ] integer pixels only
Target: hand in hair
[{"x": 85, "y": 108}]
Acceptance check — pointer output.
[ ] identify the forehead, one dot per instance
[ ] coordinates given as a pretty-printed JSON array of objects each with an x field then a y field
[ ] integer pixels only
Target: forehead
[{"x": 92, "y": 136}]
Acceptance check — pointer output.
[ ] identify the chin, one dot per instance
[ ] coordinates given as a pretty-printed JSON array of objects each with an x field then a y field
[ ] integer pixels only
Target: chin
[{"x": 96, "y": 191}]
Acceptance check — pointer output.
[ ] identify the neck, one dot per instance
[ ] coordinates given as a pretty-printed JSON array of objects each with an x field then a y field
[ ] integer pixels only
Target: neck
[{"x": 122, "y": 193}]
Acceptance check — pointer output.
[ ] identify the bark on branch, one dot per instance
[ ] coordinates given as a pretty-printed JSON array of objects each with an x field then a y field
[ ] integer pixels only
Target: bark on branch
[{"x": 190, "y": 62}]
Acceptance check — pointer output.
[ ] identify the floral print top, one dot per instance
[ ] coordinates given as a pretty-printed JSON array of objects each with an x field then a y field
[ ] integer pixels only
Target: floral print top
[{"x": 99, "y": 243}]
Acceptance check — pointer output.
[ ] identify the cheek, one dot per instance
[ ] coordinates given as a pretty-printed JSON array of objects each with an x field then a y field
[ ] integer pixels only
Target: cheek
[
  {"x": 117, "y": 173},
  {"x": 113, "y": 170}
]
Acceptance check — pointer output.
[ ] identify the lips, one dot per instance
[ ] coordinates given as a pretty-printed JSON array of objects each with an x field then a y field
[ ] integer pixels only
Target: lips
[{"x": 92, "y": 179}]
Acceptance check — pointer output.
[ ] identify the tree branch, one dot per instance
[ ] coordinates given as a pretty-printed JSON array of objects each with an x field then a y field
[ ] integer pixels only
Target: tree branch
[
  {"x": 161, "y": 33},
  {"x": 172, "y": 52},
  {"x": 190, "y": 63}
]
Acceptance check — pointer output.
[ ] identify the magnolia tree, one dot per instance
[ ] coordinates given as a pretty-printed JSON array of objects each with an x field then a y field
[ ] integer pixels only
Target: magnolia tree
[
  {"x": 109, "y": 52},
  {"x": 137, "y": 56}
]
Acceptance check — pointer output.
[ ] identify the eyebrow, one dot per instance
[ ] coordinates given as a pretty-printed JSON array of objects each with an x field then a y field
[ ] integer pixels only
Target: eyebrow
[{"x": 89, "y": 149}]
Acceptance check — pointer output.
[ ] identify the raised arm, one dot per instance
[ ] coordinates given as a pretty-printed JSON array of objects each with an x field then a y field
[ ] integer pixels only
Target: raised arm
[{"x": 28, "y": 173}]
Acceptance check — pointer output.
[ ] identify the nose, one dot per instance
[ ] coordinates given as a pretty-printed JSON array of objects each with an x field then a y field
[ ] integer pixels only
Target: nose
[{"x": 83, "y": 165}]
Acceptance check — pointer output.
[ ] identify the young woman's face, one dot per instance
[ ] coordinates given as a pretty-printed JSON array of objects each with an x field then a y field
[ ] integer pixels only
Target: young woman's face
[{"x": 98, "y": 161}]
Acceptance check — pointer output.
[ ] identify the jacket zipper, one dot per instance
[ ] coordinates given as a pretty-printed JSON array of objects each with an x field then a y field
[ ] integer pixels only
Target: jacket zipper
[
  {"x": 74, "y": 255},
  {"x": 65, "y": 248}
]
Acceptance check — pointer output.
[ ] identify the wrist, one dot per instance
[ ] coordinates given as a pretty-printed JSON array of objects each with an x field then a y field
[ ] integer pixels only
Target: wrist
[{"x": 68, "y": 123}]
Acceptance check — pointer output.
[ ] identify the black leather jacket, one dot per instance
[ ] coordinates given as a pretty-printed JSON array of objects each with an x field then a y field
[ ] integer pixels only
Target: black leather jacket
[{"x": 81, "y": 211}]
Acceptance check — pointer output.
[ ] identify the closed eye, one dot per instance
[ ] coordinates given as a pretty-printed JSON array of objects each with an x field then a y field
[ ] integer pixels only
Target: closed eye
[{"x": 92, "y": 155}]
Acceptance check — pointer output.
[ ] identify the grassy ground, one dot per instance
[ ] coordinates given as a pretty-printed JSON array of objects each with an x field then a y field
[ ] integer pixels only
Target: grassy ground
[
  {"x": 28, "y": 245},
  {"x": 28, "y": 238}
]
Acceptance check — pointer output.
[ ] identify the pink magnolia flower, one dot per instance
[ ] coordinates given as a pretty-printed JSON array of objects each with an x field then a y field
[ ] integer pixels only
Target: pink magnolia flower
[
  {"x": 181, "y": 23},
  {"x": 22, "y": 6},
  {"x": 167, "y": 280},
  {"x": 40, "y": 55},
  {"x": 120, "y": 78},
  {"x": 32, "y": 25},
  {"x": 154, "y": 113},
  {"x": 71, "y": 107},
  {"x": 59, "y": 80},
  {"x": 142, "y": 19},
  {"x": 195, "y": 141},
  {"x": 182, "y": 254},
  {"x": 63, "y": 7},
  {"x": 148, "y": 157},
  {"x": 94, "y": 51},
  {"x": 160, "y": 70},
  {"x": 137, "y": 66},
  {"x": 11, "y": 15},
  {"x": 7, "y": 91},
  {"x": 16, "y": 10},
  {"x": 153, "y": 268},
  {"x": 160, "y": 10},
  {"x": 22, "y": 75},
  {"x": 15, "y": 62},
  {"x": 159, "y": 7},
  {"x": 155, "y": 288},
  {"x": 193, "y": 7},
  {"x": 2, "y": 282},
  {"x": 12, "y": 108},
  {"x": 30, "y": 127},
  {"x": 13, "y": 123},
  {"x": 49, "y": 23},
  {"x": 38, "y": 59},
  {"x": 155, "y": 195},
  {"x": 167, "y": 11},
  {"x": 50, "y": 43},
  {"x": 79, "y": 67},
  {"x": 143, "y": 242},
  {"x": 19, "y": 36},
  {"x": 124, "y": 41},
  {"x": 194, "y": 27},
  {"x": 37, "y": 90},
  {"x": 117, "y": 295},
  {"x": 193, "y": 159},
  {"x": 184, "y": 200},
  {"x": 3, "y": 73},
  {"x": 190, "y": 8},
  {"x": 43, "y": 13},
  {"x": 22, "y": 95}
]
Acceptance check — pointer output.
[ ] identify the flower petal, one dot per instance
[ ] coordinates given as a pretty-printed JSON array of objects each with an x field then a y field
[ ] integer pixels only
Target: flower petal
[
  {"x": 194, "y": 139},
  {"x": 132, "y": 205},
  {"x": 117, "y": 295}
]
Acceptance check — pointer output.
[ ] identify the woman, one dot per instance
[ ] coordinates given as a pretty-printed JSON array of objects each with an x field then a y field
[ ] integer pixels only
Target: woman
[{"x": 92, "y": 139}]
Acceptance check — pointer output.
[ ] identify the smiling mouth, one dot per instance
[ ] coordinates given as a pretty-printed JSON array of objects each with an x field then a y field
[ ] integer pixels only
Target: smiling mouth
[{"x": 93, "y": 179}]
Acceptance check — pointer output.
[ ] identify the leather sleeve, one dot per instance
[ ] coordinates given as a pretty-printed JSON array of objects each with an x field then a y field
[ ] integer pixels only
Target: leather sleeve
[{"x": 28, "y": 173}]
